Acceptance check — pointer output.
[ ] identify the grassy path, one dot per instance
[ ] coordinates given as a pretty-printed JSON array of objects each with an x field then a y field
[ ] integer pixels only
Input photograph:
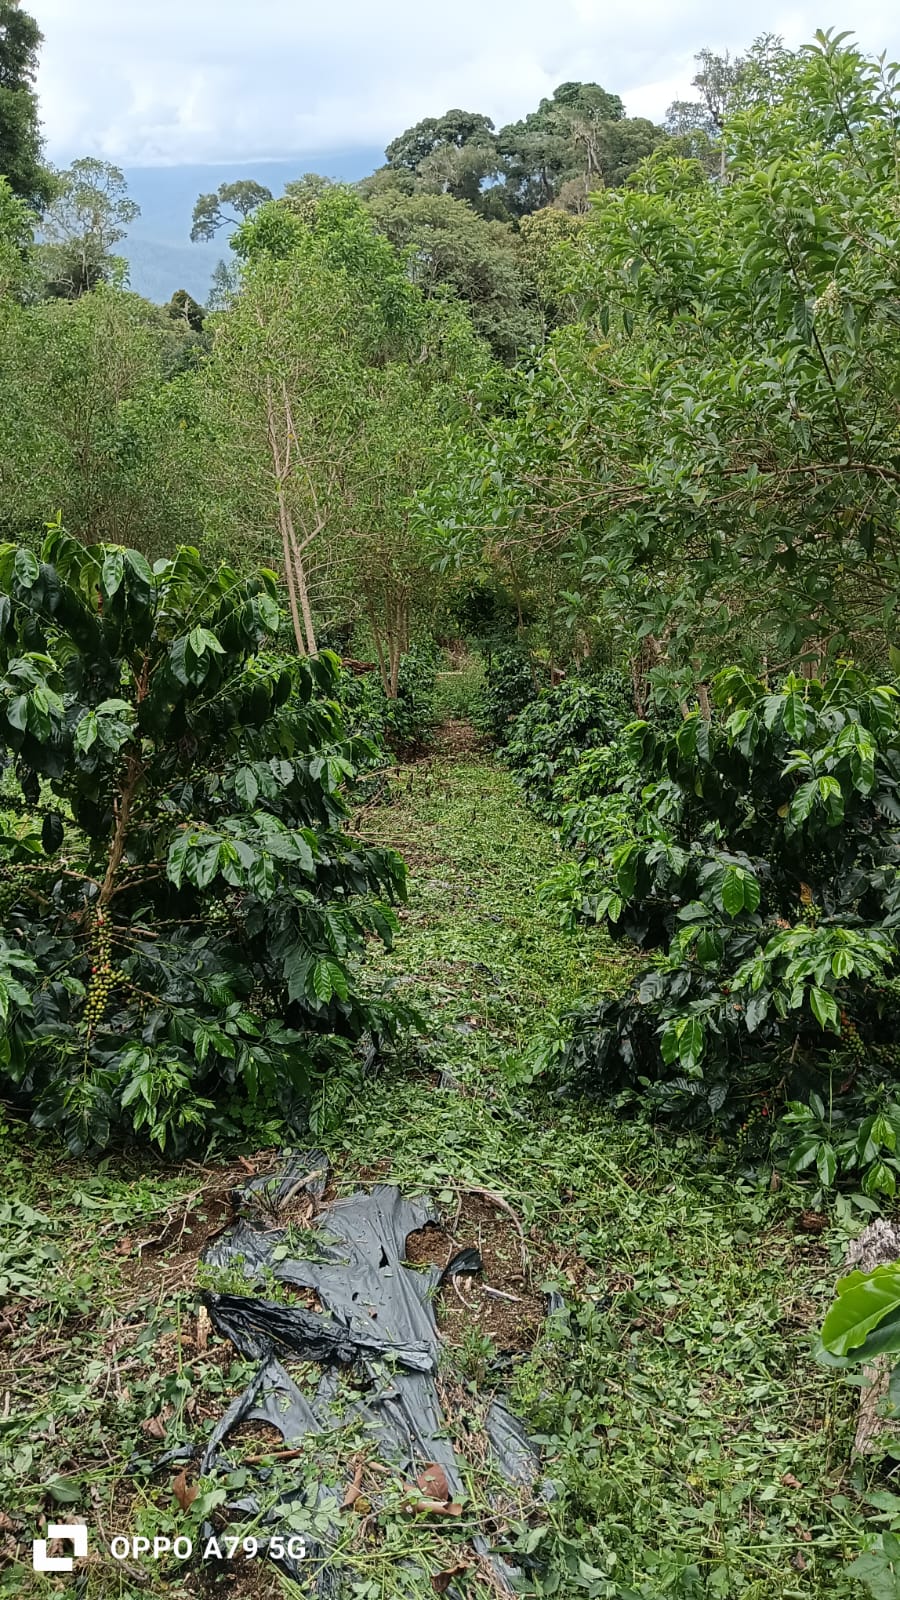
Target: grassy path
[{"x": 695, "y": 1447}]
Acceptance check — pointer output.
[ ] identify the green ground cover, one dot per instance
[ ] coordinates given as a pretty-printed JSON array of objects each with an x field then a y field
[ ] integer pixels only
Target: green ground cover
[{"x": 695, "y": 1447}]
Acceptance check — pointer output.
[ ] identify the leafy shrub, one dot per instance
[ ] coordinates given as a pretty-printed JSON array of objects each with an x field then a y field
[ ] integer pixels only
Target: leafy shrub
[
  {"x": 181, "y": 934},
  {"x": 860, "y": 1135},
  {"x": 489, "y": 615},
  {"x": 512, "y": 681},
  {"x": 405, "y": 722},
  {"x": 596, "y": 804},
  {"x": 409, "y": 718},
  {"x": 551, "y": 736},
  {"x": 763, "y": 867}
]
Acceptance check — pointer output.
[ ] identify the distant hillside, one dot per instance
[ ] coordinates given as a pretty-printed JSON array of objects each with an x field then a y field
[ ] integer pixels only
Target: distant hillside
[{"x": 159, "y": 251}]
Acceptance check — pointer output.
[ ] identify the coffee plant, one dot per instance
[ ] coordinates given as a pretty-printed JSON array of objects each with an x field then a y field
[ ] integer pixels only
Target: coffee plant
[
  {"x": 405, "y": 722},
  {"x": 553, "y": 733},
  {"x": 763, "y": 869},
  {"x": 512, "y": 680},
  {"x": 184, "y": 915}
]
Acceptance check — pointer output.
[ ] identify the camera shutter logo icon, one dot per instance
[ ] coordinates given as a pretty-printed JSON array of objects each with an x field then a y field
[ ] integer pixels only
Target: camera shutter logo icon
[{"x": 74, "y": 1533}]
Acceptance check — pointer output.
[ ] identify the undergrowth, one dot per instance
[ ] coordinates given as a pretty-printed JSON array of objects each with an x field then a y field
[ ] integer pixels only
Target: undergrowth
[{"x": 692, "y": 1445}]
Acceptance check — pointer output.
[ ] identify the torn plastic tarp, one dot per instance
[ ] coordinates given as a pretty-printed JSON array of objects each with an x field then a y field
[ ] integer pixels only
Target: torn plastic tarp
[{"x": 376, "y": 1322}]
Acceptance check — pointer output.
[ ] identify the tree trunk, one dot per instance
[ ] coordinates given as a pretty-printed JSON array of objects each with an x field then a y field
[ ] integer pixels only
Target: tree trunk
[
  {"x": 289, "y": 572},
  {"x": 312, "y": 648},
  {"x": 122, "y": 808},
  {"x": 396, "y": 656},
  {"x": 284, "y": 523},
  {"x": 379, "y": 651}
]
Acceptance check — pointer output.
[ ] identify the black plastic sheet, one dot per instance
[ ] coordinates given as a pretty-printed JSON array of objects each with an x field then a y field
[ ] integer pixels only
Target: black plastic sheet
[{"x": 376, "y": 1327}]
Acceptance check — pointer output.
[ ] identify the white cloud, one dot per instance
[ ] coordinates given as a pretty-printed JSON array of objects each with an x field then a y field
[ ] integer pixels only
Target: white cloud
[{"x": 205, "y": 80}]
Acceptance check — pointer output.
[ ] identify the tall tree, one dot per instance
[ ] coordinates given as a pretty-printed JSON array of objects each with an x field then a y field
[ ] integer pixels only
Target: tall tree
[
  {"x": 16, "y": 242},
  {"x": 329, "y": 381},
  {"x": 89, "y": 214},
  {"x": 454, "y": 130},
  {"x": 79, "y": 382},
  {"x": 699, "y": 125},
  {"x": 448, "y": 248},
  {"x": 559, "y": 141},
  {"x": 228, "y": 207},
  {"x": 452, "y": 154},
  {"x": 20, "y": 131},
  {"x": 717, "y": 78},
  {"x": 711, "y": 452}
]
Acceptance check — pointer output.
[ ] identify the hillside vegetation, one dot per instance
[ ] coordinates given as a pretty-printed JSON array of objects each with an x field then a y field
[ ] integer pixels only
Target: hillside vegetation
[{"x": 450, "y": 740}]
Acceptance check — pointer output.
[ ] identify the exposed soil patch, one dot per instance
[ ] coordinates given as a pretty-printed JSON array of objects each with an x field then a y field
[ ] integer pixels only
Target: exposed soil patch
[
  {"x": 497, "y": 1303},
  {"x": 167, "y": 1256},
  {"x": 239, "y": 1580}
]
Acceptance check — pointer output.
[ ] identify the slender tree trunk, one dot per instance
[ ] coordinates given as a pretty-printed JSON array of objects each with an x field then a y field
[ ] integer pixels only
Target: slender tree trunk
[
  {"x": 395, "y": 643},
  {"x": 133, "y": 774},
  {"x": 303, "y": 591},
  {"x": 379, "y": 651},
  {"x": 289, "y": 572},
  {"x": 284, "y": 524},
  {"x": 703, "y": 696}
]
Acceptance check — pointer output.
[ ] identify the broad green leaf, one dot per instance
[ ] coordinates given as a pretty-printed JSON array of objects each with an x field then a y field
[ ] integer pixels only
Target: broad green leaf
[
  {"x": 283, "y": 771},
  {"x": 683, "y": 1041},
  {"x": 17, "y": 712},
  {"x": 322, "y": 982},
  {"x": 625, "y": 865},
  {"x": 203, "y": 865},
  {"x": 751, "y": 890},
  {"x": 864, "y": 1300},
  {"x": 740, "y": 891},
  {"x": 803, "y": 801},
  {"x": 878, "y": 1573},
  {"x": 86, "y": 732},
  {"x": 261, "y": 877},
  {"x": 26, "y": 568},
  {"x": 824, "y": 1008},
  {"x": 883, "y": 1132},
  {"x": 842, "y": 963},
  {"x": 880, "y": 1179},
  {"x": 202, "y": 640},
  {"x": 794, "y": 717},
  {"x": 246, "y": 787},
  {"x": 826, "y": 1165},
  {"x": 805, "y": 1152},
  {"x": 268, "y": 612},
  {"x": 113, "y": 569},
  {"x": 832, "y": 798}
]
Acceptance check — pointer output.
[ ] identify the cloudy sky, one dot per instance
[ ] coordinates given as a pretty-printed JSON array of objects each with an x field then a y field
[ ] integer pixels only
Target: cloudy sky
[{"x": 212, "y": 80}]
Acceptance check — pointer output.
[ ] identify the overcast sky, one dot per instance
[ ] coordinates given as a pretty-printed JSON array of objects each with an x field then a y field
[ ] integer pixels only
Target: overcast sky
[{"x": 211, "y": 80}]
